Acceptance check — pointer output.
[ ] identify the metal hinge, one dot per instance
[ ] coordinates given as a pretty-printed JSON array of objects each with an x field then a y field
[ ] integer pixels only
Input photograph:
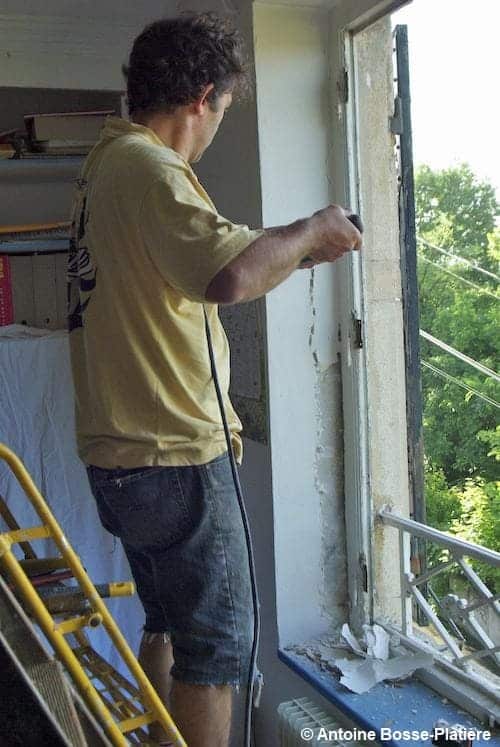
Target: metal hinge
[
  {"x": 343, "y": 86},
  {"x": 358, "y": 332},
  {"x": 396, "y": 121},
  {"x": 364, "y": 571}
]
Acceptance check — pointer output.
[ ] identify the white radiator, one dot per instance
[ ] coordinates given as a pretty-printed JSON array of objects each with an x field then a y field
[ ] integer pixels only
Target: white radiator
[{"x": 301, "y": 723}]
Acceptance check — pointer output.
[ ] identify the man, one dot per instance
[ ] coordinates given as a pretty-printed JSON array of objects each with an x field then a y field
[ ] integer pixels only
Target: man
[{"x": 149, "y": 253}]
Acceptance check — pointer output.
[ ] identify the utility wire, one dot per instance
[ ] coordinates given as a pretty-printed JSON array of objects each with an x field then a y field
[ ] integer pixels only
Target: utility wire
[
  {"x": 456, "y": 381},
  {"x": 473, "y": 265},
  {"x": 461, "y": 356},
  {"x": 459, "y": 277}
]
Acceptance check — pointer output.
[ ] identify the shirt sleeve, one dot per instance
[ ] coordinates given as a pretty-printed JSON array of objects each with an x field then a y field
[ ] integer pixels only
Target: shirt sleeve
[{"x": 187, "y": 240}]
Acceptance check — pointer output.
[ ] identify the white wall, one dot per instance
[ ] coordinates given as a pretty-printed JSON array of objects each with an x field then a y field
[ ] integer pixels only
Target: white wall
[
  {"x": 300, "y": 476},
  {"x": 291, "y": 50}
]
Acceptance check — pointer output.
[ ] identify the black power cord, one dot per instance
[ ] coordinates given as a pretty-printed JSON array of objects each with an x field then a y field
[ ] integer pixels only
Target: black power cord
[
  {"x": 255, "y": 598},
  {"x": 356, "y": 220}
]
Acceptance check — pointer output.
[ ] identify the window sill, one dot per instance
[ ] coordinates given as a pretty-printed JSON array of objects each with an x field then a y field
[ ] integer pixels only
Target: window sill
[{"x": 409, "y": 705}]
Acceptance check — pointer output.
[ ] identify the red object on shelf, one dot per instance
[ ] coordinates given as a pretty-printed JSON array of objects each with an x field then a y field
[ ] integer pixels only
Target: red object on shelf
[
  {"x": 51, "y": 578},
  {"x": 6, "y": 305}
]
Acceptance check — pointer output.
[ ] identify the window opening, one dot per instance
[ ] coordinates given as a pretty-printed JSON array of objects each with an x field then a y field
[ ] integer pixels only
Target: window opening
[
  {"x": 449, "y": 570},
  {"x": 450, "y": 583}
]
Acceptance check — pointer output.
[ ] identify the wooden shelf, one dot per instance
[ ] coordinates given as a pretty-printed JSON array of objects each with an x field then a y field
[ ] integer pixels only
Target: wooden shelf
[
  {"x": 48, "y": 169},
  {"x": 38, "y": 246}
]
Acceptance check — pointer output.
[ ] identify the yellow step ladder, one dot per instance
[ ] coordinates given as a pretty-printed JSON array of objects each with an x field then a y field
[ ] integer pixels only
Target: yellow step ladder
[{"x": 123, "y": 709}]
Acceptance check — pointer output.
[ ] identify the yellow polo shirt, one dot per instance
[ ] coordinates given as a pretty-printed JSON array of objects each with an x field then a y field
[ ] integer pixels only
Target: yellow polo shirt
[{"x": 147, "y": 241}]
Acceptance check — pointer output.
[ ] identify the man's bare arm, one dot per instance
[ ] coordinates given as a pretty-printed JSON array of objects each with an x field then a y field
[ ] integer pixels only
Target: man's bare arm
[{"x": 270, "y": 259}]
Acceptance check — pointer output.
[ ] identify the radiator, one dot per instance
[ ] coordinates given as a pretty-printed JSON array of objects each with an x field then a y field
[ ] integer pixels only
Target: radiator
[{"x": 297, "y": 715}]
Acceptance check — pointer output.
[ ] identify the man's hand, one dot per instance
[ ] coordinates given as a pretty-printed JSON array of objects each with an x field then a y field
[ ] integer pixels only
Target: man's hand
[
  {"x": 338, "y": 233},
  {"x": 270, "y": 259}
]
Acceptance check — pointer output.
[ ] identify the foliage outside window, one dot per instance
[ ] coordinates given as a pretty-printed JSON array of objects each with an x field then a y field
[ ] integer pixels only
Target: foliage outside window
[{"x": 456, "y": 214}]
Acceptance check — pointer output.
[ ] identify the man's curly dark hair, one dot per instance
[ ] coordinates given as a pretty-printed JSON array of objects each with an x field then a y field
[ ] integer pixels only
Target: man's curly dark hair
[{"x": 173, "y": 60}]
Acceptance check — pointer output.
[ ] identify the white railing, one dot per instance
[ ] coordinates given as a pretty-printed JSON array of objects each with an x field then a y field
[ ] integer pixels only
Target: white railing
[{"x": 464, "y": 637}]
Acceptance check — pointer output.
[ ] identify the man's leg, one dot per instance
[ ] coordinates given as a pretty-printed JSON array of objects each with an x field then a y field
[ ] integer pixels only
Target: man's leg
[
  {"x": 155, "y": 657},
  {"x": 183, "y": 535},
  {"x": 202, "y": 713}
]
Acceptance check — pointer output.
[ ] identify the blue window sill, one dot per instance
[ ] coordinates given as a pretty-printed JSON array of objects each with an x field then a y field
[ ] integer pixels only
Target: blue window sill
[{"x": 410, "y": 706}]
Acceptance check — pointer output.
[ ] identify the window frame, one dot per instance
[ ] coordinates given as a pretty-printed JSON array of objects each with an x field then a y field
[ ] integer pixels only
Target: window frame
[{"x": 365, "y": 533}]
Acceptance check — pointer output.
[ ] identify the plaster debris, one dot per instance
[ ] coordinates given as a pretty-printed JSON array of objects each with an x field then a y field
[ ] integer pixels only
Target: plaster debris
[
  {"x": 362, "y": 676},
  {"x": 351, "y": 640},
  {"x": 362, "y": 664},
  {"x": 377, "y": 641},
  {"x": 377, "y": 666}
]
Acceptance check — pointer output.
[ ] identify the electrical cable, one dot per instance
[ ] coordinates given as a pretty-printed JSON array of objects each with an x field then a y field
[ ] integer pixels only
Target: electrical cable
[
  {"x": 357, "y": 222},
  {"x": 459, "y": 277},
  {"x": 461, "y": 356},
  {"x": 246, "y": 526},
  {"x": 472, "y": 265},
  {"x": 456, "y": 381}
]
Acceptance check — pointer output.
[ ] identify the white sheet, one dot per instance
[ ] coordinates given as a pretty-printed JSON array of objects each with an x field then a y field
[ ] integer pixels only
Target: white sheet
[{"x": 37, "y": 423}]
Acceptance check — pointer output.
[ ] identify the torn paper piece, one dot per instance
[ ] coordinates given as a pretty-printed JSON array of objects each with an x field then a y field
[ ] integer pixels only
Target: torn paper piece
[
  {"x": 361, "y": 676},
  {"x": 377, "y": 641},
  {"x": 351, "y": 640}
]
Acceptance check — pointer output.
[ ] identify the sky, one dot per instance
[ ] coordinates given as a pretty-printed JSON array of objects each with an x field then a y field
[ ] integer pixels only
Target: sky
[{"x": 454, "y": 83}]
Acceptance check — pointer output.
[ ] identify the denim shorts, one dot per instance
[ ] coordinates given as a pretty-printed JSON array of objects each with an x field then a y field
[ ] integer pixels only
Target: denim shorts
[{"x": 182, "y": 532}]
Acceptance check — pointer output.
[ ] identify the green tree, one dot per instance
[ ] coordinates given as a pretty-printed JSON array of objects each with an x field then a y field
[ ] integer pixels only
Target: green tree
[
  {"x": 457, "y": 212},
  {"x": 443, "y": 503},
  {"x": 472, "y": 513},
  {"x": 479, "y": 518},
  {"x": 453, "y": 205}
]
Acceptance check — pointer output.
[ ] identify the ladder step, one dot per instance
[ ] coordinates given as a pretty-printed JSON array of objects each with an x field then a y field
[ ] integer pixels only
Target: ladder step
[
  {"x": 36, "y": 566},
  {"x": 119, "y": 709},
  {"x": 130, "y": 724},
  {"x": 23, "y": 535},
  {"x": 102, "y": 670},
  {"x": 61, "y": 599},
  {"x": 9, "y": 519},
  {"x": 51, "y": 578},
  {"x": 120, "y": 696},
  {"x": 92, "y": 620}
]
